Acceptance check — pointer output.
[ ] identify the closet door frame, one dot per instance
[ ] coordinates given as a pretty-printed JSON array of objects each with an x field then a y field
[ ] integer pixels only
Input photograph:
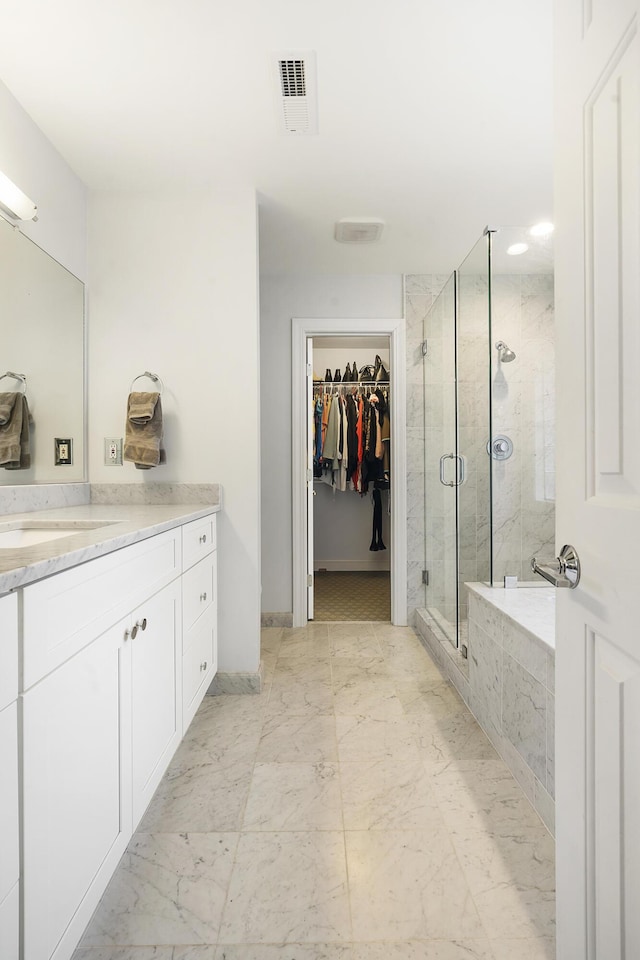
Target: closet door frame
[{"x": 301, "y": 329}]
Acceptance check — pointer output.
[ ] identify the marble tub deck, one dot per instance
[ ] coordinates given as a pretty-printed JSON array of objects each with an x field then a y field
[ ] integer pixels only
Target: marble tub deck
[{"x": 354, "y": 810}]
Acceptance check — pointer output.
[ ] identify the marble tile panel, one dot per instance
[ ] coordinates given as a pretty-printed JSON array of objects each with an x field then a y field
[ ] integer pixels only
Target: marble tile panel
[
  {"x": 512, "y": 880},
  {"x": 286, "y": 951},
  {"x": 481, "y": 796},
  {"x": 551, "y": 744},
  {"x": 529, "y": 653},
  {"x": 415, "y": 454},
  {"x": 370, "y": 697},
  {"x": 407, "y": 885},
  {"x": 425, "y": 950},
  {"x": 551, "y": 672},
  {"x": 199, "y": 798},
  {"x": 367, "y": 738},
  {"x": 430, "y": 698},
  {"x": 294, "y": 796},
  {"x": 23, "y": 498},
  {"x": 310, "y": 739},
  {"x": 456, "y": 736},
  {"x": 415, "y": 494},
  {"x": 538, "y": 948},
  {"x": 485, "y": 677},
  {"x": 386, "y": 795},
  {"x": 167, "y": 889},
  {"x": 524, "y": 719},
  {"x": 235, "y": 683},
  {"x": 288, "y": 887},
  {"x": 519, "y": 767},
  {"x": 486, "y": 616},
  {"x": 209, "y": 494}
]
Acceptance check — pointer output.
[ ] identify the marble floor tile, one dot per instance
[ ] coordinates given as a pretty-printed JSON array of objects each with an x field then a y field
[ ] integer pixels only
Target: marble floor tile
[
  {"x": 351, "y": 628},
  {"x": 320, "y": 630},
  {"x": 481, "y": 796},
  {"x": 294, "y": 796},
  {"x": 310, "y": 739},
  {"x": 344, "y": 669},
  {"x": 311, "y": 646},
  {"x": 426, "y": 950},
  {"x": 408, "y": 885},
  {"x": 299, "y": 697},
  {"x": 168, "y": 889},
  {"x": 207, "y": 952},
  {"x": 270, "y": 639},
  {"x": 370, "y": 697},
  {"x": 288, "y": 887},
  {"x": 355, "y": 645},
  {"x": 512, "y": 880},
  {"x": 203, "y": 798},
  {"x": 541, "y": 948},
  {"x": 286, "y": 951},
  {"x": 435, "y": 698},
  {"x": 303, "y": 670},
  {"x": 411, "y": 665},
  {"x": 387, "y": 795},
  {"x": 230, "y": 740},
  {"x": 456, "y": 736},
  {"x": 365, "y": 738}
]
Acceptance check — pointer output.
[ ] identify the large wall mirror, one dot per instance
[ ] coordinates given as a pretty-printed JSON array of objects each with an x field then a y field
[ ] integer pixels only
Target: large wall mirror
[{"x": 43, "y": 338}]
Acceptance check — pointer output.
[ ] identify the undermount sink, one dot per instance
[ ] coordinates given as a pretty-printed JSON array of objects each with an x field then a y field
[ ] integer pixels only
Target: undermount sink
[{"x": 25, "y": 533}]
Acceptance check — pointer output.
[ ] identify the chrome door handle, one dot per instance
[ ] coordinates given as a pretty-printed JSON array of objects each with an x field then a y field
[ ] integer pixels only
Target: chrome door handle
[
  {"x": 446, "y": 456},
  {"x": 564, "y": 571},
  {"x": 460, "y": 459}
]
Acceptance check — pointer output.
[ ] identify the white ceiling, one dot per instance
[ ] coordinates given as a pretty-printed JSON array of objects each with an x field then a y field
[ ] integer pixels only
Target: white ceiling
[{"x": 434, "y": 115}]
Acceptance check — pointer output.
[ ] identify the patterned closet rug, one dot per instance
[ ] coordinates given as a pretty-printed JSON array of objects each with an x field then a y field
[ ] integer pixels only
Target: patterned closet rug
[{"x": 358, "y": 595}]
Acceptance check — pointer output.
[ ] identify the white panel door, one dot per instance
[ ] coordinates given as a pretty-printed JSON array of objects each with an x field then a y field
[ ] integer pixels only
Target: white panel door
[{"x": 598, "y": 509}]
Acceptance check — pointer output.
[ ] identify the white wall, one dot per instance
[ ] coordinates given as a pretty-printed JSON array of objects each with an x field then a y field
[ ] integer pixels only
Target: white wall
[
  {"x": 281, "y": 298},
  {"x": 173, "y": 289},
  {"x": 30, "y": 160}
]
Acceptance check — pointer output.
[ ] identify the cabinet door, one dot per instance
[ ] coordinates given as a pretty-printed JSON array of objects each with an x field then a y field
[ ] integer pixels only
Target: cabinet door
[
  {"x": 77, "y": 815},
  {"x": 156, "y": 692}
]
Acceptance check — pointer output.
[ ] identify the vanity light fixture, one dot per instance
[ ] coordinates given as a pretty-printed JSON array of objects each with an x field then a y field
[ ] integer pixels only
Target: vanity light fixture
[
  {"x": 541, "y": 230},
  {"x": 516, "y": 249},
  {"x": 14, "y": 202}
]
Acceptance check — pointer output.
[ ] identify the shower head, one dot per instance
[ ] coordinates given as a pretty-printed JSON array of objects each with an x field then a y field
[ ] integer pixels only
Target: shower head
[{"x": 505, "y": 355}]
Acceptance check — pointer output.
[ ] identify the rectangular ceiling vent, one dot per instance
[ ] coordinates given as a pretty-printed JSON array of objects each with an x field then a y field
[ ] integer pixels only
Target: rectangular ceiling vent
[{"x": 296, "y": 93}]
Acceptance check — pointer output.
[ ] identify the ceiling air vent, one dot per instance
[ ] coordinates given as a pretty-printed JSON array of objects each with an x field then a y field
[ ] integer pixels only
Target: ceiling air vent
[
  {"x": 359, "y": 230},
  {"x": 296, "y": 92}
]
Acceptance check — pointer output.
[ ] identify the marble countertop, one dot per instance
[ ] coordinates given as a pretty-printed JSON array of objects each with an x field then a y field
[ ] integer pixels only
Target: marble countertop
[
  {"x": 127, "y": 524},
  {"x": 530, "y": 606}
]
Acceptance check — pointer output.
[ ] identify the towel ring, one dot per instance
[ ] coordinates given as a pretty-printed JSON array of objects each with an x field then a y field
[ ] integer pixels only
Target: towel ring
[
  {"x": 151, "y": 376},
  {"x": 16, "y": 376}
]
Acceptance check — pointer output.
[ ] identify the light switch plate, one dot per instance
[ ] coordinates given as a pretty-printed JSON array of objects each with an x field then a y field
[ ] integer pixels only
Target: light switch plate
[{"x": 113, "y": 451}]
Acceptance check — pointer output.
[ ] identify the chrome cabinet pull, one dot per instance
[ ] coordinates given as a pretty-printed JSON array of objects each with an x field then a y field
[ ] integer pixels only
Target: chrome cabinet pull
[
  {"x": 134, "y": 631},
  {"x": 143, "y": 624},
  {"x": 203, "y": 538},
  {"x": 127, "y": 634},
  {"x": 203, "y": 666},
  {"x": 203, "y": 597},
  {"x": 564, "y": 571},
  {"x": 446, "y": 456}
]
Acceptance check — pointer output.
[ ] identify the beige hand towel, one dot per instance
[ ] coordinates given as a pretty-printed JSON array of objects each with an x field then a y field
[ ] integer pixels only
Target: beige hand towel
[
  {"x": 143, "y": 431},
  {"x": 15, "y": 443}
]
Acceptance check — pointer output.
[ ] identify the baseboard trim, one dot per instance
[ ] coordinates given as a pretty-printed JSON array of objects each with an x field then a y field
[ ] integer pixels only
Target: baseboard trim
[
  {"x": 352, "y": 566},
  {"x": 276, "y": 619},
  {"x": 237, "y": 683}
]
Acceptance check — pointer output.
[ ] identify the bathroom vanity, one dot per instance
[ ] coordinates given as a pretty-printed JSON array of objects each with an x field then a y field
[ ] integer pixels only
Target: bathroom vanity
[{"x": 108, "y": 643}]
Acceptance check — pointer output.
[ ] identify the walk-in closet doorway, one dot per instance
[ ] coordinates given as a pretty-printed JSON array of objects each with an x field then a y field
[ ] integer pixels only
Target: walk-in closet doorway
[{"x": 335, "y": 569}]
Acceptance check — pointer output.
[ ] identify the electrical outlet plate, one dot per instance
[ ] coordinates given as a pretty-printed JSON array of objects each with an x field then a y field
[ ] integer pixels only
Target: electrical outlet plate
[
  {"x": 63, "y": 452},
  {"x": 113, "y": 451}
]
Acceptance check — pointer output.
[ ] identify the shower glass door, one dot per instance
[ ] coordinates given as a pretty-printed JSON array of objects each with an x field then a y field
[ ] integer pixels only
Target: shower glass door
[{"x": 441, "y": 590}]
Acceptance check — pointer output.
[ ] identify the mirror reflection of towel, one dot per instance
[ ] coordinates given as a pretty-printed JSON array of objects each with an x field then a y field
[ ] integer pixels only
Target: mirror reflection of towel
[
  {"x": 15, "y": 442},
  {"x": 143, "y": 431}
]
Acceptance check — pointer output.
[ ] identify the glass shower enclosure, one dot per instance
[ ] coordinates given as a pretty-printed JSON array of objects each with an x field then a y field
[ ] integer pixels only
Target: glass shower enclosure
[{"x": 489, "y": 408}]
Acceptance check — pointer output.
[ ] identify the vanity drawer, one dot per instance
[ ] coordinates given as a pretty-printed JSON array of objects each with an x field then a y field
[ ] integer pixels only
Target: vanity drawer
[
  {"x": 198, "y": 590},
  {"x": 198, "y": 540},
  {"x": 8, "y": 649},
  {"x": 65, "y": 612},
  {"x": 199, "y": 663}
]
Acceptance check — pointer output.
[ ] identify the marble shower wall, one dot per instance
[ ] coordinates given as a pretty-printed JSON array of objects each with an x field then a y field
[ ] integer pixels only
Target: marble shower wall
[{"x": 524, "y": 410}]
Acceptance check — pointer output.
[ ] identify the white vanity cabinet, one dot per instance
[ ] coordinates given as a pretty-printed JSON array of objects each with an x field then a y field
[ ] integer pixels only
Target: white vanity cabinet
[
  {"x": 199, "y": 612},
  {"x": 9, "y": 822}
]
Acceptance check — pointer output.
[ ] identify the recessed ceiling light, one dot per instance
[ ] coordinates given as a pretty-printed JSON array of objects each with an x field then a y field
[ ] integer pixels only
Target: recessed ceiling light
[
  {"x": 516, "y": 249},
  {"x": 541, "y": 230}
]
